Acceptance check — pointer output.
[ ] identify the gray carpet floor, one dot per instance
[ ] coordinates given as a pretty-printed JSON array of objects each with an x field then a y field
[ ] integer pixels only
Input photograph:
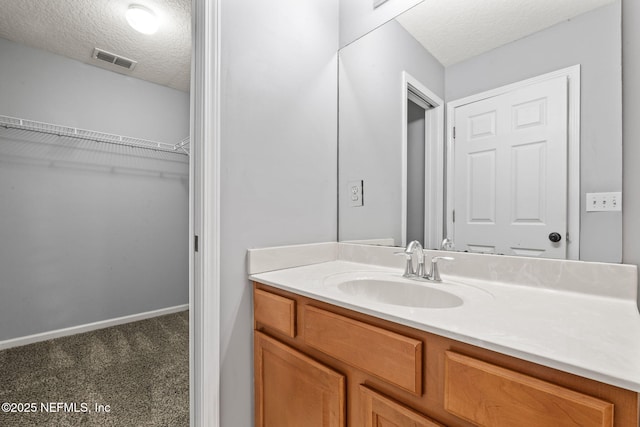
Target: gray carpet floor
[{"x": 139, "y": 369}]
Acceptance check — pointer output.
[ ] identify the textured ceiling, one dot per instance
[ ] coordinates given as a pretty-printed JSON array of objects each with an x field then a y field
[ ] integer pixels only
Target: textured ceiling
[
  {"x": 452, "y": 30},
  {"x": 455, "y": 30},
  {"x": 73, "y": 28}
]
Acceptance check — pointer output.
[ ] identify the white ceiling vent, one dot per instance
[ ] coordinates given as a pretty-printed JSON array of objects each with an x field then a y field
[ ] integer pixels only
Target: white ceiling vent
[{"x": 114, "y": 59}]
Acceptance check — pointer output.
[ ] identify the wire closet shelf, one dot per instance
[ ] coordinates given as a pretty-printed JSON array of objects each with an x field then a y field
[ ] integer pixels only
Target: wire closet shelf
[{"x": 7, "y": 122}]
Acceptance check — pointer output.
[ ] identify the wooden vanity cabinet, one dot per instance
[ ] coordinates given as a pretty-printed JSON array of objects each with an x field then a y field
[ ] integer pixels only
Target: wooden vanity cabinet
[
  {"x": 377, "y": 410},
  {"x": 295, "y": 390},
  {"x": 319, "y": 364},
  {"x": 490, "y": 395}
]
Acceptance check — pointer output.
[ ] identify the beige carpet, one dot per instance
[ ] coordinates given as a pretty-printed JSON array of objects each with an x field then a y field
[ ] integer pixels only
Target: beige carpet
[{"x": 140, "y": 369}]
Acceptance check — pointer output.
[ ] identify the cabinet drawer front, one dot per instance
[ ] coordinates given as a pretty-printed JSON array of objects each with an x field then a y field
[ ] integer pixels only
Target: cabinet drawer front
[
  {"x": 378, "y": 410},
  {"x": 275, "y": 312},
  {"x": 387, "y": 355},
  {"x": 489, "y": 395}
]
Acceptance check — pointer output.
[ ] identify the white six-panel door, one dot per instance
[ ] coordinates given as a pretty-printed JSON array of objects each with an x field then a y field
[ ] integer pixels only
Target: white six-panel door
[{"x": 511, "y": 172}]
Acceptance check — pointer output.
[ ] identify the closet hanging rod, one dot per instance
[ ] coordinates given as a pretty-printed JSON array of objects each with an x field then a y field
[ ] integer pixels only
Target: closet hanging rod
[{"x": 35, "y": 126}]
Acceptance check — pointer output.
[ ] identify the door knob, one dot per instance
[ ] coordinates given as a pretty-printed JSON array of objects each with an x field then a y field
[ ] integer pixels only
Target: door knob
[{"x": 555, "y": 237}]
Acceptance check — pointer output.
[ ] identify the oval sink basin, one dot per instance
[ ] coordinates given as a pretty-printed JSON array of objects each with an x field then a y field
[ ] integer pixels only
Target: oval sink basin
[{"x": 400, "y": 293}]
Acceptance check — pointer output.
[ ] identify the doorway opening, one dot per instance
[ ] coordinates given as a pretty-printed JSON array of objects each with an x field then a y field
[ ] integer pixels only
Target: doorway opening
[{"x": 422, "y": 164}]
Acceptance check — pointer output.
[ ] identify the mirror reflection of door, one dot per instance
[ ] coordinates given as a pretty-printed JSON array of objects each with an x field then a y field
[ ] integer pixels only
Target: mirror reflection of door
[
  {"x": 511, "y": 172},
  {"x": 416, "y": 167},
  {"x": 422, "y": 164}
]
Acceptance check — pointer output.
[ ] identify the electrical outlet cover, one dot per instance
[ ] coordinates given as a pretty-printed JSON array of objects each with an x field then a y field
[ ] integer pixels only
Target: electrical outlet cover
[{"x": 354, "y": 190}]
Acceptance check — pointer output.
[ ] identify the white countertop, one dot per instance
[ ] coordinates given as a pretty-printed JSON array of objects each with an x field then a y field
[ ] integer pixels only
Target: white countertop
[{"x": 593, "y": 336}]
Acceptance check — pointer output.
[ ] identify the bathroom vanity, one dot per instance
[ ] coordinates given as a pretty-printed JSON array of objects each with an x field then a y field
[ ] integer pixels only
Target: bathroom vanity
[{"x": 341, "y": 343}]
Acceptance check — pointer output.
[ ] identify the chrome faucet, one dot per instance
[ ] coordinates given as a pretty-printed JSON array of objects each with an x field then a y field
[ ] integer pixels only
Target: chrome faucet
[
  {"x": 414, "y": 247},
  {"x": 447, "y": 244},
  {"x": 434, "y": 274}
]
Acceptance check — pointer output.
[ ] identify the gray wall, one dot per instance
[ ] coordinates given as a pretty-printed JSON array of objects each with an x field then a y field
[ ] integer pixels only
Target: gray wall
[
  {"x": 370, "y": 136},
  {"x": 74, "y": 94},
  {"x": 278, "y": 157},
  {"x": 631, "y": 129},
  {"x": 358, "y": 17},
  {"x": 594, "y": 41},
  {"x": 88, "y": 231}
]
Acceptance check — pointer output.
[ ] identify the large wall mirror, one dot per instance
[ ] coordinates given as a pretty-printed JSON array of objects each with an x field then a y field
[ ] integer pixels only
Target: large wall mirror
[{"x": 533, "y": 90}]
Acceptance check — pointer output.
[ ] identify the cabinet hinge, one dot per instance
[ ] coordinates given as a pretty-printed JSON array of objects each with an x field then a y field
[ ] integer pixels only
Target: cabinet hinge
[{"x": 195, "y": 243}]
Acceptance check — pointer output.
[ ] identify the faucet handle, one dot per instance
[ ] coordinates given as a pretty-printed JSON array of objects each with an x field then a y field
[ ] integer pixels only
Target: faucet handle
[
  {"x": 434, "y": 275},
  {"x": 420, "y": 270},
  {"x": 408, "y": 269}
]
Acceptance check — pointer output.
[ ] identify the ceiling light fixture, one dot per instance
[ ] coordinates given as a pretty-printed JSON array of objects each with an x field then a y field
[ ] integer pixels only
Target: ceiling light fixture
[{"x": 142, "y": 19}]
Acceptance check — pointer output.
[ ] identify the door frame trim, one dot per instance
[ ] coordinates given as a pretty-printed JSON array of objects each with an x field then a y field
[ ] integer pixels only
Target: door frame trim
[
  {"x": 204, "y": 207},
  {"x": 573, "y": 156},
  {"x": 434, "y": 163}
]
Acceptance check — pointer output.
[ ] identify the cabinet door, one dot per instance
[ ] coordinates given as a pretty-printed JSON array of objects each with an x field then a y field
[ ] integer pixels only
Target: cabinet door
[
  {"x": 293, "y": 390},
  {"x": 380, "y": 411}
]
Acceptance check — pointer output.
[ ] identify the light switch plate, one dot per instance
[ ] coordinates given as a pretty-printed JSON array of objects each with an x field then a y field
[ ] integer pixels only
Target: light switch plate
[
  {"x": 604, "y": 202},
  {"x": 355, "y": 192}
]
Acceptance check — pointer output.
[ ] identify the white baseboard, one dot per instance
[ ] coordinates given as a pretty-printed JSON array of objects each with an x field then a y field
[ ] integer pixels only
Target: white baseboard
[{"x": 44, "y": 336}]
